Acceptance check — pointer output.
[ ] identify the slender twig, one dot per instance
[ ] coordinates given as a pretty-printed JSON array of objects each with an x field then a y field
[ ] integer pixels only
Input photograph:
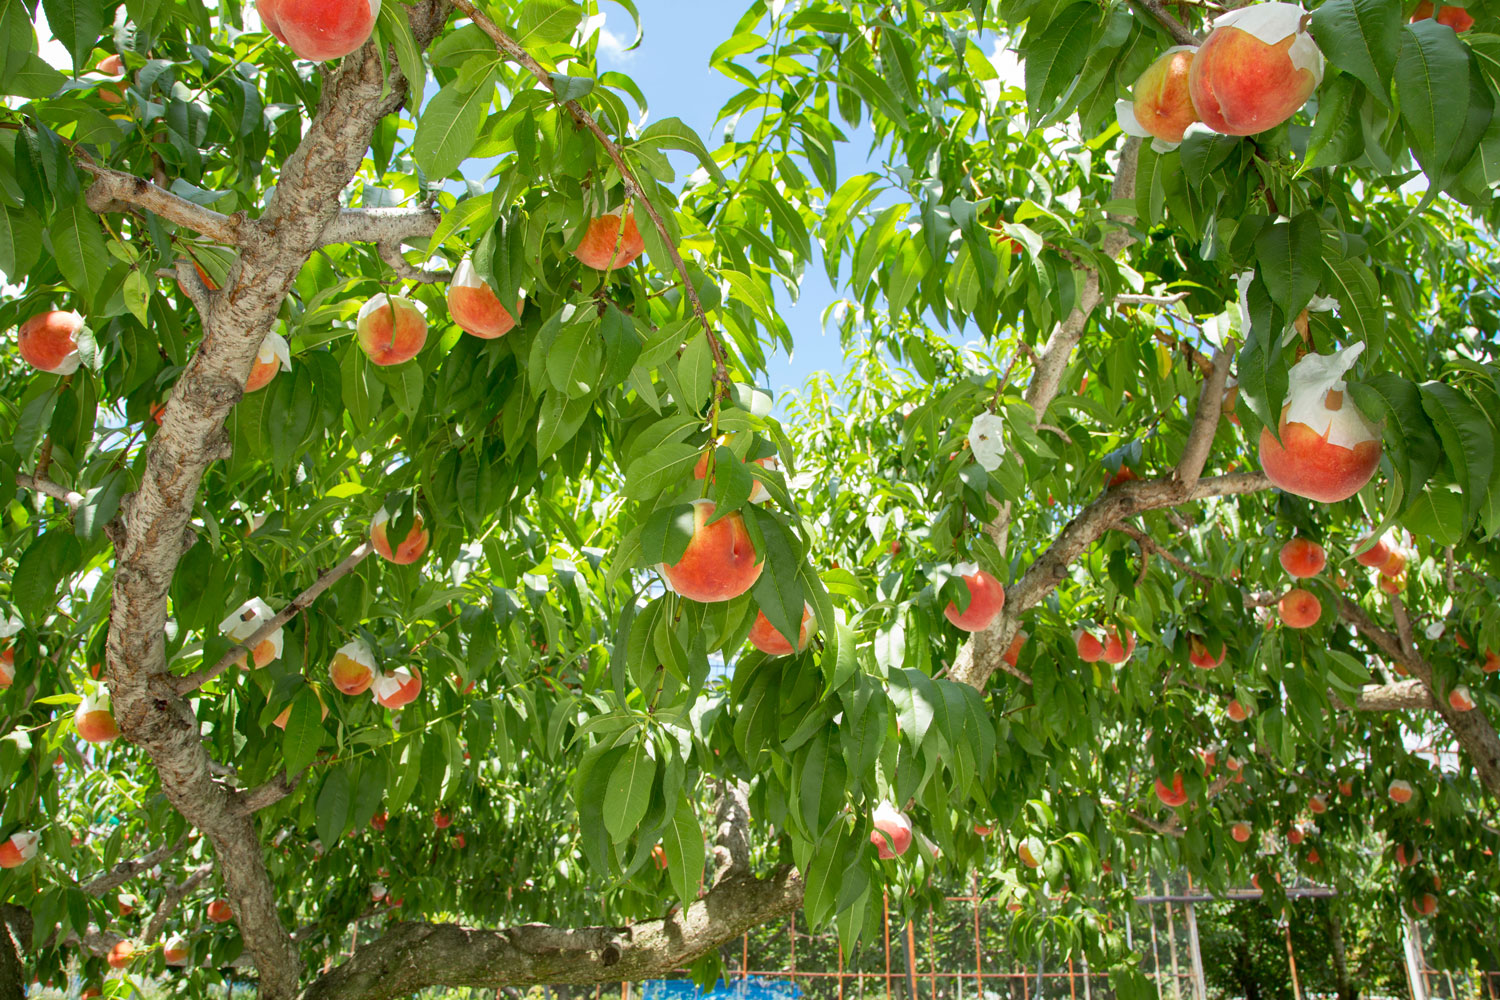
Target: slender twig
[
  {"x": 300, "y": 603},
  {"x": 47, "y": 487},
  {"x": 127, "y": 870}
]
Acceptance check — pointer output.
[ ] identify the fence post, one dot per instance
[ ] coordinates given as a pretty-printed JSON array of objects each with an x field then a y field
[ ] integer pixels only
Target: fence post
[
  {"x": 1200, "y": 985},
  {"x": 1415, "y": 963}
]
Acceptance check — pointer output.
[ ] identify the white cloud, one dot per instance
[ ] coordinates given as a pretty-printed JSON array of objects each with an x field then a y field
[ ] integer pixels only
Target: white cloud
[{"x": 612, "y": 48}]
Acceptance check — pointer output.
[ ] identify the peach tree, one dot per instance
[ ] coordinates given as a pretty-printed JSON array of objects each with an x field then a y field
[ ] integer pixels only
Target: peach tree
[{"x": 409, "y": 583}]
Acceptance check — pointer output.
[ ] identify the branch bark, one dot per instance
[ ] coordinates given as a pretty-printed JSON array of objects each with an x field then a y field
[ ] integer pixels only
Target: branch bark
[
  {"x": 171, "y": 898},
  {"x": 127, "y": 870},
  {"x": 411, "y": 957},
  {"x": 46, "y": 487},
  {"x": 732, "y": 835},
  {"x": 153, "y": 532},
  {"x": 113, "y": 191}
]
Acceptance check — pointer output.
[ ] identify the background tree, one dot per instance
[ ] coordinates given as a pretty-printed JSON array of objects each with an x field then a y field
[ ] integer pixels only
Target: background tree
[{"x": 277, "y": 259}]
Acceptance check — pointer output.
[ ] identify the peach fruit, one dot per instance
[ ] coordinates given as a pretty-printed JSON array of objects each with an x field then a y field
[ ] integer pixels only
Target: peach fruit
[
  {"x": 93, "y": 720},
  {"x": 410, "y": 549},
  {"x": 1376, "y": 555},
  {"x": 1090, "y": 649},
  {"x": 1313, "y": 857},
  {"x": 1236, "y": 711},
  {"x": 720, "y": 562},
  {"x": 7, "y": 667},
  {"x": 758, "y": 491},
  {"x": 1160, "y": 107},
  {"x": 1201, "y": 655},
  {"x": 1013, "y": 651},
  {"x": 1115, "y": 651},
  {"x": 1454, "y": 17},
  {"x": 246, "y": 620},
  {"x": 1425, "y": 905},
  {"x": 398, "y": 688},
  {"x": 1303, "y": 557},
  {"x": 274, "y": 356},
  {"x": 1346, "y": 788},
  {"x": 892, "y": 834},
  {"x": 1399, "y": 791},
  {"x": 352, "y": 669},
  {"x": 320, "y": 30},
  {"x": 19, "y": 848},
  {"x": 220, "y": 912},
  {"x": 286, "y": 713},
  {"x": 1294, "y": 836},
  {"x": 474, "y": 306},
  {"x": 764, "y": 637},
  {"x": 1318, "y": 804},
  {"x": 121, "y": 954},
  {"x": 1023, "y": 851},
  {"x": 441, "y": 820},
  {"x": 1392, "y": 585},
  {"x": 391, "y": 329},
  {"x": 986, "y": 600},
  {"x": 1173, "y": 795},
  {"x": 604, "y": 247},
  {"x": 1255, "y": 69},
  {"x": 1460, "y": 700},
  {"x": 1327, "y": 448},
  {"x": 1407, "y": 858},
  {"x": 49, "y": 341},
  {"x": 1491, "y": 662},
  {"x": 379, "y": 820},
  {"x": 175, "y": 951},
  {"x": 1240, "y": 832},
  {"x": 1299, "y": 609}
]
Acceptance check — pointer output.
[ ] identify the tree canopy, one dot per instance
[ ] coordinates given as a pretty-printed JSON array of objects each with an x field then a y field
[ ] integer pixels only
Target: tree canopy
[{"x": 399, "y": 533}]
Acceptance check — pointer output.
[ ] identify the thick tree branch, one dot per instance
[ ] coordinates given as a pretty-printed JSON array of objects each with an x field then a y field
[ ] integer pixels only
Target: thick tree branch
[
  {"x": 300, "y": 603},
  {"x": 46, "y": 487},
  {"x": 266, "y": 795},
  {"x": 1205, "y": 421},
  {"x": 113, "y": 191},
  {"x": 127, "y": 870},
  {"x": 381, "y": 225},
  {"x": 153, "y": 532},
  {"x": 732, "y": 833},
  {"x": 412, "y": 957},
  {"x": 1397, "y": 697}
]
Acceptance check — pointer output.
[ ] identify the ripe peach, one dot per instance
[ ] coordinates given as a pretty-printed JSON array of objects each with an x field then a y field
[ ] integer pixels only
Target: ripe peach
[
  {"x": 1408, "y": 858},
  {"x": 274, "y": 356},
  {"x": 125, "y": 904},
  {"x": 1240, "y": 832},
  {"x": 1313, "y": 857},
  {"x": 1236, "y": 711},
  {"x": 379, "y": 820},
  {"x": 1491, "y": 662},
  {"x": 1425, "y": 906},
  {"x": 441, "y": 820},
  {"x": 1393, "y": 585},
  {"x": 1023, "y": 851},
  {"x": 219, "y": 911},
  {"x": 1256, "y": 68},
  {"x": 1201, "y": 656},
  {"x": 410, "y": 549},
  {"x": 1302, "y": 557},
  {"x": 1013, "y": 651},
  {"x": 1318, "y": 804},
  {"x": 286, "y": 713},
  {"x": 1460, "y": 700},
  {"x": 1125, "y": 475},
  {"x": 89, "y": 993},
  {"x": 398, "y": 688},
  {"x": 764, "y": 637},
  {"x": 1160, "y": 107},
  {"x": 1454, "y": 17},
  {"x": 981, "y": 830},
  {"x": 320, "y": 30},
  {"x": 892, "y": 834},
  {"x": 391, "y": 329},
  {"x": 1294, "y": 836},
  {"x": 7, "y": 667},
  {"x": 1090, "y": 649},
  {"x": 19, "y": 848},
  {"x": 353, "y": 668},
  {"x": 121, "y": 954},
  {"x": 1399, "y": 791},
  {"x": 1115, "y": 651},
  {"x": 1327, "y": 448},
  {"x": 1172, "y": 796},
  {"x": 604, "y": 248},
  {"x": 93, "y": 720},
  {"x": 720, "y": 562},
  {"x": 659, "y": 857},
  {"x": 1376, "y": 555},
  {"x": 49, "y": 341},
  {"x": 246, "y": 620},
  {"x": 1346, "y": 788},
  {"x": 1299, "y": 609},
  {"x": 175, "y": 951},
  {"x": 986, "y": 600},
  {"x": 758, "y": 491},
  {"x": 1234, "y": 763},
  {"x": 474, "y": 306}
]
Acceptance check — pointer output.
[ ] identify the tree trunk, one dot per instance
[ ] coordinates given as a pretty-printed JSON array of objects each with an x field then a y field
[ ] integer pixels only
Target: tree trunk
[
  {"x": 1346, "y": 988},
  {"x": 15, "y": 940}
]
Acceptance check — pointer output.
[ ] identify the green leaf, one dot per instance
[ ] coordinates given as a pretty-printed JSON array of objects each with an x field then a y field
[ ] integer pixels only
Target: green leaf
[
  {"x": 1055, "y": 55},
  {"x": 1290, "y": 255},
  {"x": 1360, "y": 37},
  {"x": 573, "y": 362},
  {"x": 449, "y": 125},
  {"x": 778, "y": 591},
  {"x": 545, "y": 21},
  {"x": 77, "y": 24},
  {"x": 36, "y": 588},
  {"x": 1467, "y": 443},
  {"x": 627, "y": 796},
  {"x": 673, "y": 133},
  {"x": 304, "y": 733},
  {"x": 333, "y": 807},
  {"x": 78, "y": 243},
  {"x": 1409, "y": 437},
  {"x": 695, "y": 373},
  {"x": 916, "y": 700},
  {"x": 664, "y": 466},
  {"x": 1432, "y": 86},
  {"x": 683, "y": 843},
  {"x": 1355, "y": 286}
]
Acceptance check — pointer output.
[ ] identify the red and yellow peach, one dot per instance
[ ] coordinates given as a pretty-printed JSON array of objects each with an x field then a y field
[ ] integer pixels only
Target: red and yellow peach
[
  {"x": 391, "y": 329},
  {"x": 720, "y": 562}
]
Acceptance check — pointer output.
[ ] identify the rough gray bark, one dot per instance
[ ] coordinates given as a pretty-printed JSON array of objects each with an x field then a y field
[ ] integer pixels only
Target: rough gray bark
[
  {"x": 411, "y": 957},
  {"x": 152, "y": 533},
  {"x": 15, "y": 941}
]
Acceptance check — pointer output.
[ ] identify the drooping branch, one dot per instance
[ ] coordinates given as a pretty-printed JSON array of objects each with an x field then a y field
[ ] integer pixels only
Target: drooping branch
[
  {"x": 114, "y": 191},
  {"x": 127, "y": 870},
  {"x": 300, "y": 603},
  {"x": 412, "y": 957},
  {"x": 514, "y": 51}
]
